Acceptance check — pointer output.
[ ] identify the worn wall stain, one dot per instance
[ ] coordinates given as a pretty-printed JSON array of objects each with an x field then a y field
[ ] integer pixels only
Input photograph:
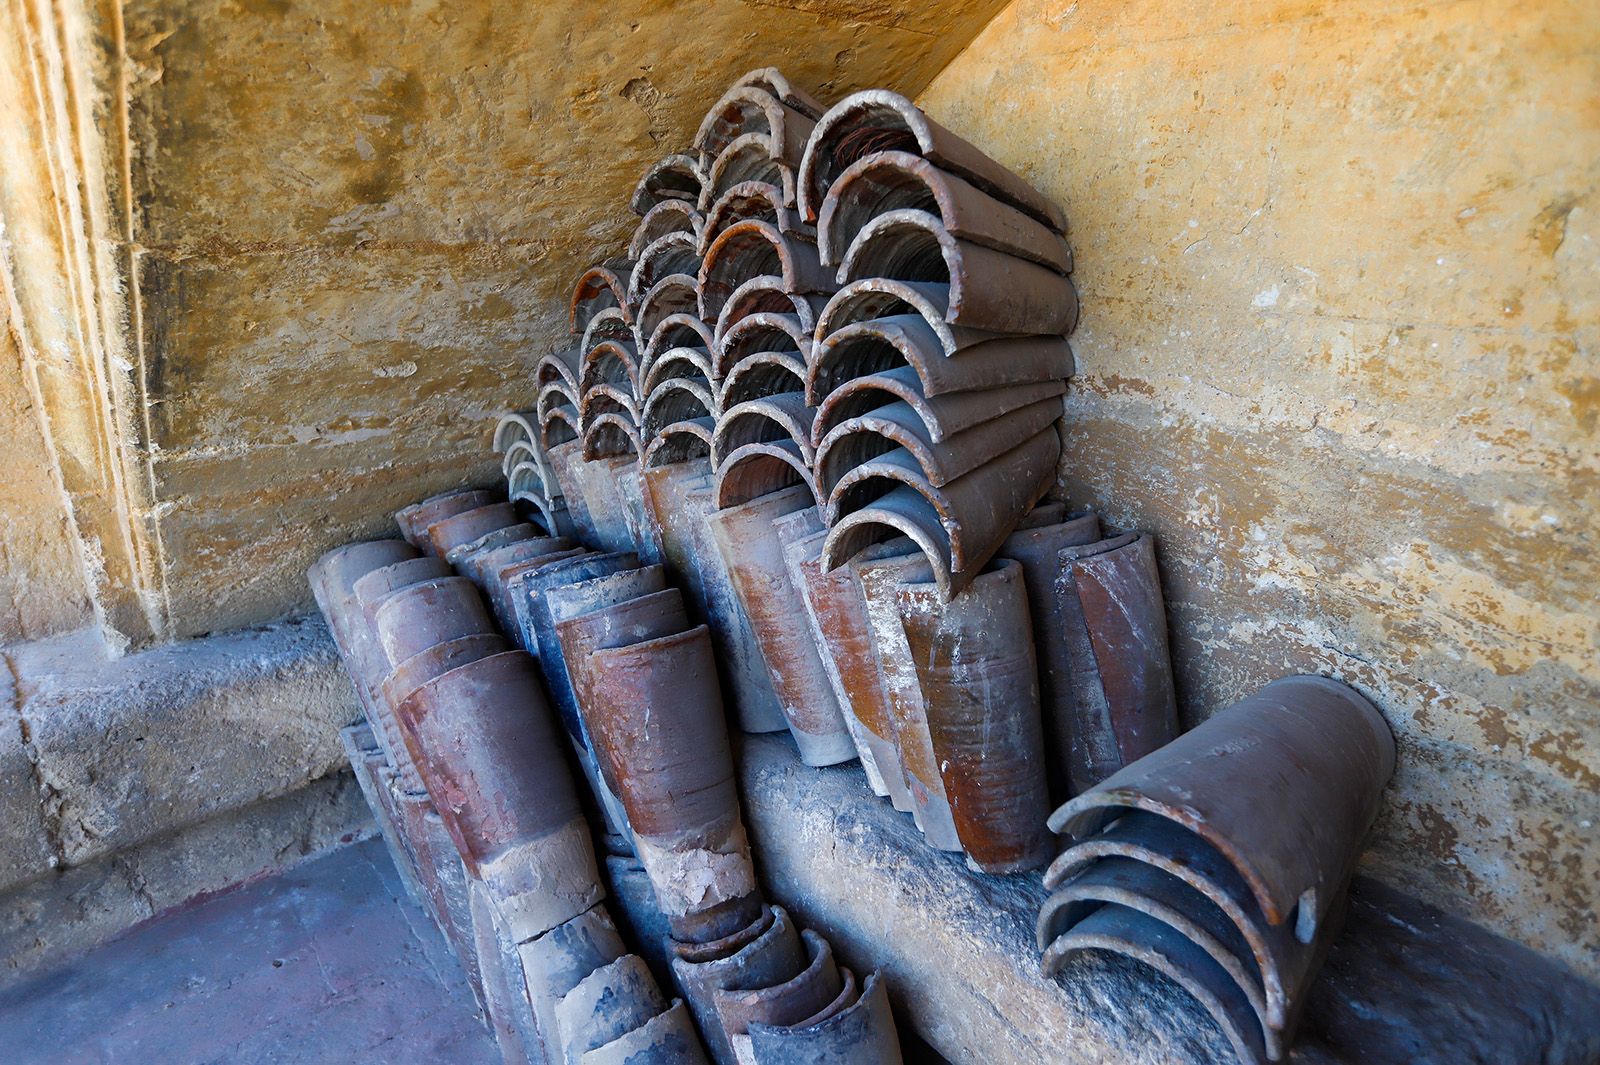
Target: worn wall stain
[{"x": 1341, "y": 317}]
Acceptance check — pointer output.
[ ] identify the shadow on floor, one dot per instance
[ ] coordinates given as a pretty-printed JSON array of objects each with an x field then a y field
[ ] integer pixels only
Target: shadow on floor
[{"x": 326, "y": 963}]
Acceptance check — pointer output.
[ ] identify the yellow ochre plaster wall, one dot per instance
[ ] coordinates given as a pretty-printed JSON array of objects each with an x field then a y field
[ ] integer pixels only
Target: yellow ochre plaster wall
[
  {"x": 357, "y": 224},
  {"x": 1340, "y": 268}
]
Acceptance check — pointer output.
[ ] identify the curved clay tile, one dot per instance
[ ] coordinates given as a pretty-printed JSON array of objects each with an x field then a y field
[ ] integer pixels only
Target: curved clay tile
[
  {"x": 975, "y": 512},
  {"x": 609, "y": 323},
  {"x": 559, "y": 425},
  {"x": 784, "y": 416},
  {"x": 613, "y": 362},
  {"x": 675, "y": 400},
  {"x": 748, "y": 159},
  {"x": 767, "y": 294},
  {"x": 675, "y": 294},
  {"x": 748, "y": 110},
  {"x": 771, "y": 80},
  {"x": 601, "y": 286},
  {"x": 682, "y": 330},
  {"x": 765, "y": 373},
  {"x": 751, "y": 199},
  {"x": 762, "y": 331},
  {"x": 901, "y": 511},
  {"x": 521, "y": 450},
  {"x": 758, "y": 469},
  {"x": 559, "y": 366},
  {"x": 680, "y": 442},
  {"x": 688, "y": 364},
  {"x": 667, "y": 216},
  {"x": 900, "y": 425},
  {"x": 944, "y": 415},
  {"x": 607, "y": 398},
  {"x": 672, "y": 177},
  {"x": 611, "y": 434},
  {"x": 511, "y": 426},
  {"x": 988, "y": 289},
  {"x": 671, "y": 253},
  {"x": 876, "y": 120},
  {"x": 903, "y": 340},
  {"x": 754, "y": 248},
  {"x": 891, "y": 180}
]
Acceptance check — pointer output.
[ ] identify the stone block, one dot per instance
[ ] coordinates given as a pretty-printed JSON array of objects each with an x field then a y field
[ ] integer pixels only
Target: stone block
[
  {"x": 142, "y": 746},
  {"x": 955, "y": 947}
]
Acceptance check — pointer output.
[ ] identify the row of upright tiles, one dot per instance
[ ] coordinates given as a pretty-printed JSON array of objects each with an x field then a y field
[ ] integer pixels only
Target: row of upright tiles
[
  {"x": 1221, "y": 858},
  {"x": 475, "y": 645}
]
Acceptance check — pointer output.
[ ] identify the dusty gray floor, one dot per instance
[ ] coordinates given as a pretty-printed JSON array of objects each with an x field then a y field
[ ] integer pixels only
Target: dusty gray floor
[{"x": 328, "y": 963}]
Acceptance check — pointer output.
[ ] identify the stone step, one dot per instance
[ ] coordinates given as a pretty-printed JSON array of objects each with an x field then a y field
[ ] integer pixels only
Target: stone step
[{"x": 1404, "y": 983}]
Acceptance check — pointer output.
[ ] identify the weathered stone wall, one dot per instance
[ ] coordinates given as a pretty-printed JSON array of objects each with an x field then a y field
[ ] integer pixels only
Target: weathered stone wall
[
  {"x": 42, "y": 587},
  {"x": 1340, "y": 269},
  {"x": 67, "y": 367},
  {"x": 357, "y": 225}
]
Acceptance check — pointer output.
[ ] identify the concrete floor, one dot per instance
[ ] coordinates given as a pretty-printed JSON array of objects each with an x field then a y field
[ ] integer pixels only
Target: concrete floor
[{"x": 328, "y": 963}]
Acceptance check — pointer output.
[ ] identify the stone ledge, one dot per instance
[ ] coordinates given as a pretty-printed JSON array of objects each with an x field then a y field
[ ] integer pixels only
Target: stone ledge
[
  {"x": 122, "y": 751},
  {"x": 25, "y": 850},
  {"x": 1404, "y": 983}
]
